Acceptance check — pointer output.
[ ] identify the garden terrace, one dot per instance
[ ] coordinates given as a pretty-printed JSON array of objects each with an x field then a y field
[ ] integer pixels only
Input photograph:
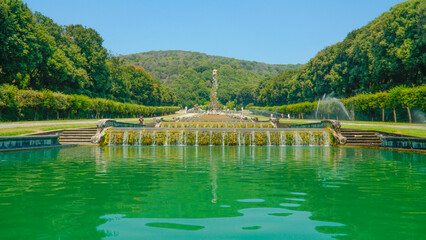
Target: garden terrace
[{"x": 219, "y": 137}]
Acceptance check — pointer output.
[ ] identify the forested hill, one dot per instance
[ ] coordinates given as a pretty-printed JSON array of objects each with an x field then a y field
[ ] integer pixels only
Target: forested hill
[
  {"x": 189, "y": 73},
  {"x": 389, "y": 51},
  {"x": 36, "y": 53}
]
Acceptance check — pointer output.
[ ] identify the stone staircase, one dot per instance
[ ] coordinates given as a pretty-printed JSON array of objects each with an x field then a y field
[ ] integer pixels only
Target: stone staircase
[
  {"x": 81, "y": 136},
  {"x": 355, "y": 137}
]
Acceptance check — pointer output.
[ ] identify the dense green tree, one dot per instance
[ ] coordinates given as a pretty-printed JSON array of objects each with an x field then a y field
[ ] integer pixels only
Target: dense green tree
[
  {"x": 19, "y": 48},
  {"x": 189, "y": 74},
  {"x": 90, "y": 43},
  {"x": 389, "y": 51},
  {"x": 36, "y": 53},
  {"x": 400, "y": 99}
]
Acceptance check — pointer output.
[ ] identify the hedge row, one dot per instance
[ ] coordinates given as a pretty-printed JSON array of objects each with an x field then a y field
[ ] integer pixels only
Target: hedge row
[
  {"x": 16, "y": 104},
  {"x": 396, "y": 99}
]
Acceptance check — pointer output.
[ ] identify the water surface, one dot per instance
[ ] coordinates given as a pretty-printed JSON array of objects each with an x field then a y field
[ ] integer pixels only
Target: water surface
[{"x": 212, "y": 193}]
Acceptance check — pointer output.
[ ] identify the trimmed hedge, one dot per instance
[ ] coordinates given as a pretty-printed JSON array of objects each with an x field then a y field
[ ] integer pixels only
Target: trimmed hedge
[
  {"x": 16, "y": 104},
  {"x": 397, "y": 99}
]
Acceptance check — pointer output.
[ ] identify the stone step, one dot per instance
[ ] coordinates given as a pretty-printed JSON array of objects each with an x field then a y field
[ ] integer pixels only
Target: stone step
[
  {"x": 354, "y": 130},
  {"x": 362, "y": 144},
  {"x": 357, "y": 133},
  {"x": 78, "y": 131},
  {"x": 77, "y": 134},
  {"x": 356, "y": 137},
  {"x": 76, "y": 138},
  {"x": 363, "y": 141},
  {"x": 78, "y": 143},
  {"x": 360, "y": 135},
  {"x": 362, "y": 138}
]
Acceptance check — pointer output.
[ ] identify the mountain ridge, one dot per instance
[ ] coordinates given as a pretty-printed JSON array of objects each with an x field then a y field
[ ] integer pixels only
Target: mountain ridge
[{"x": 186, "y": 71}]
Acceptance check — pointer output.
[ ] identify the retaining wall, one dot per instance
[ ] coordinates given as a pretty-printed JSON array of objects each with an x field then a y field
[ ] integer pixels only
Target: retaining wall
[
  {"x": 403, "y": 142},
  {"x": 8, "y": 143}
]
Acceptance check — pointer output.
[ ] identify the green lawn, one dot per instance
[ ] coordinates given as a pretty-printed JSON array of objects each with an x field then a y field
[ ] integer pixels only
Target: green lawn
[
  {"x": 56, "y": 125},
  {"x": 414, "y": 130},
  {"x": 35, "y": 129}
]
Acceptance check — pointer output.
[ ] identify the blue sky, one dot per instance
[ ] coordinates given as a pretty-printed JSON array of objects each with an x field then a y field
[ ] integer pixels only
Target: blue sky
[{"x": 271, "y": 31}]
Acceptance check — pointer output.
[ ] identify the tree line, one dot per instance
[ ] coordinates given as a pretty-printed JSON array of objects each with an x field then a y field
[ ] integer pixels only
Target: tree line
[
  {"x": 18, "y": 104},
  {"x": 389, "y": 51},
  {"x": 36, "y": 54},
  {"x": 398, "y": 103}
]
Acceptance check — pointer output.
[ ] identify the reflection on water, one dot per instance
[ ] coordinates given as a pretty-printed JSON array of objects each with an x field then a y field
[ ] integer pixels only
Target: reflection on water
[
  {"x": 266, "y": 222},
  {"x": 220, "y": 192}
]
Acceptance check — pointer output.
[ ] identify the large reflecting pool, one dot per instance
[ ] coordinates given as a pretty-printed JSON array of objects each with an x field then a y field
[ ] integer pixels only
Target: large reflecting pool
[{"x": 212, "y": 193}]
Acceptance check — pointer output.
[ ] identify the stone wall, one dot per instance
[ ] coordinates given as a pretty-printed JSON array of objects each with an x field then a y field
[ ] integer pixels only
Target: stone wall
[
  {"x": 9, "y": 143},
  {"x": 403, "y": 142}
]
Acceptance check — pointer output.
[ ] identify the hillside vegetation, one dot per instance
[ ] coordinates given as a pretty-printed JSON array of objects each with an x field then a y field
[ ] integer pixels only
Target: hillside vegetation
[
  {"x": 36, "y": 53},
  {"x": 388, "y": 52},
  {"x": 189, "y": 73}
]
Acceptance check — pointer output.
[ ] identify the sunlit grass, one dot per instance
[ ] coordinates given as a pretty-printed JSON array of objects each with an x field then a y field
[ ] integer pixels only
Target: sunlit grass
[
  {"x": 414, "y": 130},
  {"x": 417, "y": 130},
  {"x": 15, "y": 133},
  {"x": 56, "y": 125}
]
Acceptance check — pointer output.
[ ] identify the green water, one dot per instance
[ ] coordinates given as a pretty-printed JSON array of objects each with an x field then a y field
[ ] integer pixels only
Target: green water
[{"x": 212, "y": 193}]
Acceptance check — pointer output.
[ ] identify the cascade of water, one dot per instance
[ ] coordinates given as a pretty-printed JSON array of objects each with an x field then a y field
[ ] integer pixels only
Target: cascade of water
[
  {"x": 297, "y": 139},
  {"x": 153, "y": 138},
  {"x": 180, "y": 143},
  {"x": 125, "y": 137},
  {"x": 140, "y": 138},
  {"x": 246, "y": 125},
  {"x": 330, "y": 105},
  {"x": 254, "y": 138},
  {"x": 166, "y": 138},
  {"x": 316, "y": 112},
  {"x": 223, "y": 138},
  {"x": 282, "y": 138},
  {"x": 185, "y": 140},
  {"x": 211, "y": 133},
  {"x": 196, "y": 138},
  {"x": 311, "y": 139},
  {"x": 110, "y": 138},
  {"x": 239, "y": 139},
  {"x": 326, "y": 138},
  {"x": 268, "y": 136}
]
